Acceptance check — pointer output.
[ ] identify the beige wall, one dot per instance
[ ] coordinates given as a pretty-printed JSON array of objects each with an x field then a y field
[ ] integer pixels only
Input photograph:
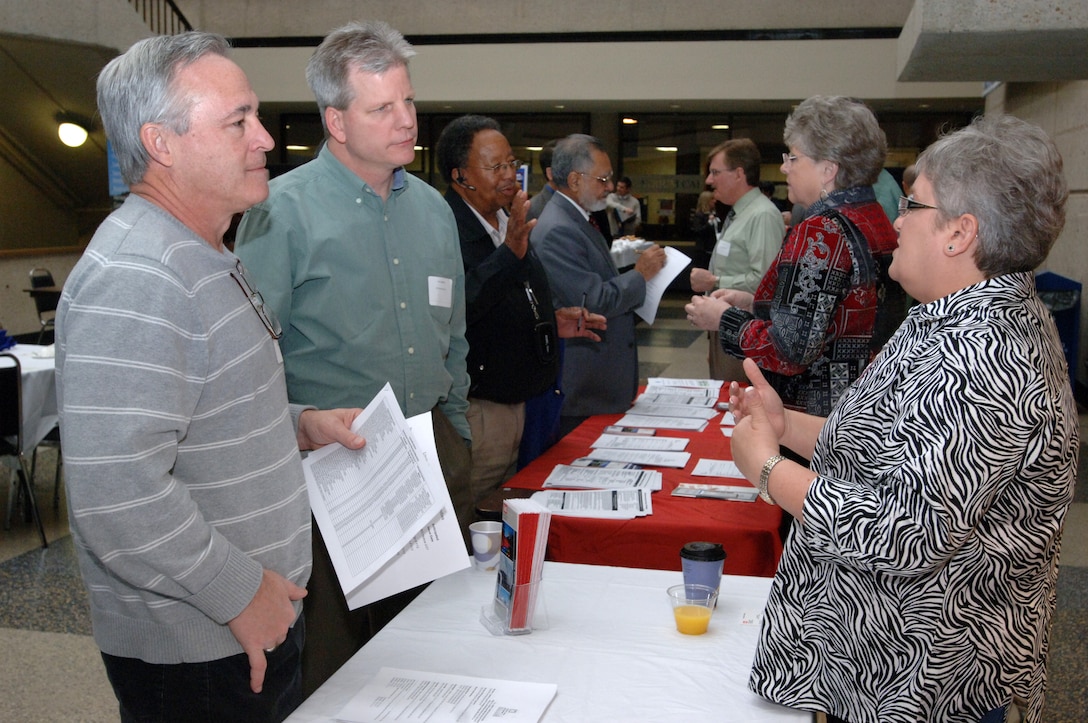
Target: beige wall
[
  {"x": 272, "y": 18},
  {"x": 1060, "y": 108},
  {"x": 693, "y": 75}
]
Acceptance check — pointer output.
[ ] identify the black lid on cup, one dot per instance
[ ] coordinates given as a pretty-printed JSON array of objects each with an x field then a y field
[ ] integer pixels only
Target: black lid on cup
[{"x": 703, "y": 551}]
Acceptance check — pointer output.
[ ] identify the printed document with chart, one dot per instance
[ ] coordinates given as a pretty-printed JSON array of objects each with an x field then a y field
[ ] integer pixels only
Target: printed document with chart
[{"x": 384, "y": 510}]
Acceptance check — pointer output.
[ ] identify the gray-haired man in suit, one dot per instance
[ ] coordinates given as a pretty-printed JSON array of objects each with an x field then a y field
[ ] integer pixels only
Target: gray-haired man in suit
[{"x": 597, "y": 378}]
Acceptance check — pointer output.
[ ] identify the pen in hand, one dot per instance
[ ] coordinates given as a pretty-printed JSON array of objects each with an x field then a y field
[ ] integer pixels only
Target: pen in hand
[{"x": 583, "y": 314}]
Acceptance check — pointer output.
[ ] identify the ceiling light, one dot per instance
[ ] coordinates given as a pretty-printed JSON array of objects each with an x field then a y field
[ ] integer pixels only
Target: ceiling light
[
  {"x": 720, "y": 127},
  {"x": 668, "y": 149},
  {"x": 630, "y": 121},
  {"x": 71, "y": 134},
  {"x": 534, "y": 149}
]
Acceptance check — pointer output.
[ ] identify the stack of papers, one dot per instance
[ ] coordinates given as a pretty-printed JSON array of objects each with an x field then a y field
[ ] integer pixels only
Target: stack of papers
[
  {"x": 525, "y": 526},
  {"x": 644, "y": 420},
  {"x": 602, "y": 504},
  {"x": 384, "y": 510},
  {"x": 642, "y": 457},
  {"x": 720, "y": 492},
  {"x": 596, "y": 478},
  {"x": 708, "y": 387}
]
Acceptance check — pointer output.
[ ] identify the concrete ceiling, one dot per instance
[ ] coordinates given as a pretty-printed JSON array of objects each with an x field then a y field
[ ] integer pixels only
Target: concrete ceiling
[{"x": 994, "y": 40}]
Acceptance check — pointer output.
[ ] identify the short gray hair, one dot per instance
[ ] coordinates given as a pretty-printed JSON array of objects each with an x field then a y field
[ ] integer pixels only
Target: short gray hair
[
  {"x": 371, "y": 47},
  {"x": 1007, "y": 173},
  {"x": 573, "y": 154},
  {"x": 137, "y": 87},
  {"x": 839, "y": 129}
]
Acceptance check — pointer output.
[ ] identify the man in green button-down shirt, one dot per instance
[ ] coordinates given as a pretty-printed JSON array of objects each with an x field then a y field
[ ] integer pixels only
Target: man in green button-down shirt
[{"x": 362, "y": 263}]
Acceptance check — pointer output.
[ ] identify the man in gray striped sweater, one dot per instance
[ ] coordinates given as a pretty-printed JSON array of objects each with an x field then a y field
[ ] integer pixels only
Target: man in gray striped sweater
[{"x": 186, "y": 497}]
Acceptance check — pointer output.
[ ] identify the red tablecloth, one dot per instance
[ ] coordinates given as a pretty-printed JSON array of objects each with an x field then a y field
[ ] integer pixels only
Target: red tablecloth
[{"x": 749, "y": 531}]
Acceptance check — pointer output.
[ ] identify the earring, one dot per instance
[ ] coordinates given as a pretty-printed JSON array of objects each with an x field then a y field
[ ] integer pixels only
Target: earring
[
  {"x": 951, "y": 247},
  {"x": 823, "y": 194}
]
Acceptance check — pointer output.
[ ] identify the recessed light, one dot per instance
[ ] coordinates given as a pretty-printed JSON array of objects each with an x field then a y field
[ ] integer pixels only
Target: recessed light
[
  {"x": 668, "y": 149},
  {"x": 720, "y": 127},
  {"x": 630, "y": 121}
]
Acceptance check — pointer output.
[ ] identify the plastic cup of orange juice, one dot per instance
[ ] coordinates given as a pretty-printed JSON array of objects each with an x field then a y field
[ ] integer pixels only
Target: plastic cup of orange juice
[{"x": 692, "y": 606}]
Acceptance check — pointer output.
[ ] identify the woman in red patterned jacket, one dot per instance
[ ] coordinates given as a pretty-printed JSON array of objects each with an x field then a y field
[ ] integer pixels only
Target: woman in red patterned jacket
[{"x": 826, "y": 304}]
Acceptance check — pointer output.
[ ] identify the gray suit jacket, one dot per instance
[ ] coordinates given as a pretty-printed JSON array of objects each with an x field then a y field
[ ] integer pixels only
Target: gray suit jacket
[
  {"x": 539, "y": 201},
  {"x": 598, "y": 378}
]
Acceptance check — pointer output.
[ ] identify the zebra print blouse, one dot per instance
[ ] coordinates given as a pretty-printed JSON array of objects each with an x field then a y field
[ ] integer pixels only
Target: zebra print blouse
[{"x": 921, "y": 585}]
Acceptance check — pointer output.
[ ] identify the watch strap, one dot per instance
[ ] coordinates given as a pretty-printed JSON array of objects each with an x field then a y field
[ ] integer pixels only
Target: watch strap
[{"x": 765, "y": 476}]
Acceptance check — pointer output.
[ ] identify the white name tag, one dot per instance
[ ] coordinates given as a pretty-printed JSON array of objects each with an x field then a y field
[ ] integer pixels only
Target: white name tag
[{"x": 440, "y": 291}]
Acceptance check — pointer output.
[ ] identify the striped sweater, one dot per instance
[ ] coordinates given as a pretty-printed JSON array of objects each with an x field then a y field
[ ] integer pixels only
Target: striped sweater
[{"x": 182, "y": 468}]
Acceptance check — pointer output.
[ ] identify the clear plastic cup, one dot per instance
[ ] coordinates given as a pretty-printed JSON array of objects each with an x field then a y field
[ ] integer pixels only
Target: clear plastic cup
[{"x": 692, "y": 606}]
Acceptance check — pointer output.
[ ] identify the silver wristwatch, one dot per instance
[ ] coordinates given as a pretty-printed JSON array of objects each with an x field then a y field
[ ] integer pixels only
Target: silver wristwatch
[{"x": 764, "y": 477}]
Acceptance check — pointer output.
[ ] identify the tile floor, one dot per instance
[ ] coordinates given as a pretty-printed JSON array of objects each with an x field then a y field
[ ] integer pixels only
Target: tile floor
[{"x": 51, "y": 670}]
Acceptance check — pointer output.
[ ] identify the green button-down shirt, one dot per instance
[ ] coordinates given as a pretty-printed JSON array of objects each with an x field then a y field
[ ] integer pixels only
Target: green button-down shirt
[
  {"x": 367, "y": 291},
  {"x": 749, "y": 244}
]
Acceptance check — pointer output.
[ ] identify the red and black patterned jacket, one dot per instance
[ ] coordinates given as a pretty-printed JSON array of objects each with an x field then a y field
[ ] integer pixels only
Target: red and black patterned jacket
[{"x": 811, "y": 328}]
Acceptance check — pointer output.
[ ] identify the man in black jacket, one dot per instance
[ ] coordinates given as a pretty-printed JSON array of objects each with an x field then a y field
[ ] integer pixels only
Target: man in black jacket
[{"x": 513, "y": 332}]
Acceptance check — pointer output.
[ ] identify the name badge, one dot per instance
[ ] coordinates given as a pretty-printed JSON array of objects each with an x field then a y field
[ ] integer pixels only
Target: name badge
[{"x": 440, "y": 291}]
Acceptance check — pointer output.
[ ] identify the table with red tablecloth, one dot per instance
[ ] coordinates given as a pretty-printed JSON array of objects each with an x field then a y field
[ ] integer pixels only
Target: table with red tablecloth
[{"x": 749, "y": 531}]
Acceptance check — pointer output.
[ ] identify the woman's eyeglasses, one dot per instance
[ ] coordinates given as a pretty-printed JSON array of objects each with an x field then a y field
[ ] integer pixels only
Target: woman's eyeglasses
[
  {"x": 908, "y": 204},
  {"x": 267, "y": 316}
]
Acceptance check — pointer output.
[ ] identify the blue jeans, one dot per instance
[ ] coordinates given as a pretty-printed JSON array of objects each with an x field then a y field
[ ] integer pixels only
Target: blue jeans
[{"x": 214, "y": 691}]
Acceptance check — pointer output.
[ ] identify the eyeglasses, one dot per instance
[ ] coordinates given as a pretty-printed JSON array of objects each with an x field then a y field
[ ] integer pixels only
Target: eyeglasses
[
  {"x": 908, "y": 204},
  {"x": 267, "y": 316},
  {"x": 500, "y": 167},
  {"x": 603, "y": 179},
  {"x": 788, "y": 159},
  {"x": 715, "y": 172}
]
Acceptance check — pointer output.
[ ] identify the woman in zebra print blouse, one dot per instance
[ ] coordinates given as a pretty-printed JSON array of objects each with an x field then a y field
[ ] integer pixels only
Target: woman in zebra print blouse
[{"x": 918, "y": 581}]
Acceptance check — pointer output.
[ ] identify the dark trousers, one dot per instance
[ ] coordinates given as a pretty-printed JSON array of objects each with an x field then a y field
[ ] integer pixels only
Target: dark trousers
[{"x": 214, "y": 691}]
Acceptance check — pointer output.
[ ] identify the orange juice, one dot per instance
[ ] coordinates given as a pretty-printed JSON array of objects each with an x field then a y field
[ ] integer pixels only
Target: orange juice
[{"x": 691, "y": 619}]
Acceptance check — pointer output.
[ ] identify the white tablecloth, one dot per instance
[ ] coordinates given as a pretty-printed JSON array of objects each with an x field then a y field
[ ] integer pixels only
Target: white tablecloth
[
  {"x": 39, "y": 393},
  {"x": 610, "y": 645}
]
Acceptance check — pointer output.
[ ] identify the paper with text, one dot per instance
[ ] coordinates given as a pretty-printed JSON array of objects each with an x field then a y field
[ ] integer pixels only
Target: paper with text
[
  {"x": 649, "y": 420},
  {"x": 641, "y": 457},
  {"x": 607, "y": 504},
  {"x": 438, "y": 549},
  {"x": 595, "y": 478},
  {"x": 370, "y": 503},
  {"x": 718, "y": 492},
  {"x": 416, "y": 697},
  {"x": 633, "y": 441}
]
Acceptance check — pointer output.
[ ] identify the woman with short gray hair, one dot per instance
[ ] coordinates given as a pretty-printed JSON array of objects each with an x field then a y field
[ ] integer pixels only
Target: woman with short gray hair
[
  {"x": 918, "y": 582},
  {"x": 825, "y": 306}
]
